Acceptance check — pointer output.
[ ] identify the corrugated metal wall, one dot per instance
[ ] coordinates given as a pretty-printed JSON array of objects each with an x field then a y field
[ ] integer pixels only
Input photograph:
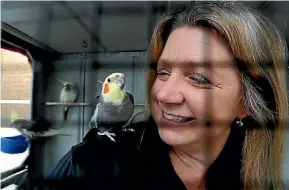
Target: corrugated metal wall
[{"x": 80, "y": 68}]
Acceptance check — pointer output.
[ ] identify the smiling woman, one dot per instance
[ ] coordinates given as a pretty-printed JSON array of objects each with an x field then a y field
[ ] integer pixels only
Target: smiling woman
[
  {"x": 184, "y": 99},
  {"x": 217, "y": 105},
  {"x": 224, "y": 87}
]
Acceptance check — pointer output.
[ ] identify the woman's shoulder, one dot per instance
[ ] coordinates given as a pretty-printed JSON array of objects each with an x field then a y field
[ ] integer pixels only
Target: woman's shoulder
[
  {"x": 99, "y": 162},
  {"x": 97, "y": 157},
  {"x": 94, "y": 144}
]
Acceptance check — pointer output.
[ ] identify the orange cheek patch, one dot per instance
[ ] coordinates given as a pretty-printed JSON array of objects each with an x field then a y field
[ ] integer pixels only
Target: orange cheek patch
[{"x": 106, "y": 88}]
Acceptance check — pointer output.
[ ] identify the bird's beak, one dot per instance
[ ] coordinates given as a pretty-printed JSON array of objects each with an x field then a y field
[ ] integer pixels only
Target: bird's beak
[{"x": 62, "y": 83}]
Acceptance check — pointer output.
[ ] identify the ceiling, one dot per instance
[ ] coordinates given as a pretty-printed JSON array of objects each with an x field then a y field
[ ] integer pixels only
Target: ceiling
[{"x": 93, "y": 26}]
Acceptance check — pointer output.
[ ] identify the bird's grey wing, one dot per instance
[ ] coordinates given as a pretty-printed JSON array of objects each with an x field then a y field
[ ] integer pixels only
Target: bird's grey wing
[
  {"x": 74, "y": 96},
  {"x": 139, "y": 117},
  {"x": 70, "y": 96},
  {"x": 133, "y": 125},
  {"x": 128, "y": 109},
  {"x": 131, "y": 97},
  {"x": 24, "y": 127},
  {"x": 75, "y": 91},
  {"x": 23, "y": 124},
  {"x": 97, "y": 97},
  {"x": 62, "y": 95}
]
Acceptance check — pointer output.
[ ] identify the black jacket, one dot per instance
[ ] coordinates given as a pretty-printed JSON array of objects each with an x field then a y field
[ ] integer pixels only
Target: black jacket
[{"x": 138, "y": 160}]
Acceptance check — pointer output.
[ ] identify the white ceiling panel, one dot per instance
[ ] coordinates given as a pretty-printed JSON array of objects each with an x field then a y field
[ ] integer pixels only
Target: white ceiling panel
[
  {"x": 65, "y": 25},
  {"x": 107, "y": 4},
  {"x": 67, "y": 36},
  {"x": 20, "y": 4},
  {"x": 25, "y": 11},
  {"x": 36, "y": 29},
  {"x": 23, "y": 15},
  {"x": 124, "y": 33},
  {"x": 58, "y": 12}
]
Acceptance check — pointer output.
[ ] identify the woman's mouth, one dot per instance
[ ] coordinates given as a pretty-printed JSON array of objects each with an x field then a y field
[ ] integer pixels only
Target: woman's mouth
[{"x": 178, "y": 119}]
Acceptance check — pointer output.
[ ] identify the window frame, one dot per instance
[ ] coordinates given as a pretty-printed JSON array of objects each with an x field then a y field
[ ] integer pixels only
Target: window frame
[
  {"x": 15, "y": 175},
  {"x": 16, "y": 41}
]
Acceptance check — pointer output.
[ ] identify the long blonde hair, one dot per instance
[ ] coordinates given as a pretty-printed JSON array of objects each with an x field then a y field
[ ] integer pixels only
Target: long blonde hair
[{"x": 261, "y": 51}]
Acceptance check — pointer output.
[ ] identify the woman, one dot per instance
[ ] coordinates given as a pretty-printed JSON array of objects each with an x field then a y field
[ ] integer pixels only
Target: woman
[{"x": 217, "y": 105}]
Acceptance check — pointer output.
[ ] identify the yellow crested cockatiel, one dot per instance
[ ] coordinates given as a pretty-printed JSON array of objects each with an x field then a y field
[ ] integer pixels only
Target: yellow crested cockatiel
[
  {"x": 32, "y": 129},
  {"x": 115, "y": 106},
  {"x": 68, "y": 94}
]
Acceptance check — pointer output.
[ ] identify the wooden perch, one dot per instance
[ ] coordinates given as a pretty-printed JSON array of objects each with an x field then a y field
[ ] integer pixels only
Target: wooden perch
[
  {"x": 77, "y": 104},
  {"x": 69, "y": 104}
]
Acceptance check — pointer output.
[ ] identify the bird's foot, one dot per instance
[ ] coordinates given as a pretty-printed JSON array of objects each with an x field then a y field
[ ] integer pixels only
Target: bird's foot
[
  {"x": 92, "y": 126},
  {"x": 29, "y": 134},
  {"x": 128, "y": 130},
  {"x": 108, "y": 134}
]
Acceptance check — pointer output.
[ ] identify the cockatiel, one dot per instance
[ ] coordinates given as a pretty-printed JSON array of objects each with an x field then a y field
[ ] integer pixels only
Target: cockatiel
[
  {"x": 32, "y": 129},
  {"x": 68, "y": 94},
  {"x": 115, "y": 106}
]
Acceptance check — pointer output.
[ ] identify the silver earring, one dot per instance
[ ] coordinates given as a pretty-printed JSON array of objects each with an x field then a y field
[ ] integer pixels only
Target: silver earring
[{"x": 239, "y": 122}]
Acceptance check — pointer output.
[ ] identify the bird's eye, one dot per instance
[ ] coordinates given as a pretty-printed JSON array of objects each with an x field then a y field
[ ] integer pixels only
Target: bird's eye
[{"x": 108, "y": 80}]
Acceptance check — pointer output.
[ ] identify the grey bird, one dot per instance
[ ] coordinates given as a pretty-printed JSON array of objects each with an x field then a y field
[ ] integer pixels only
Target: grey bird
[
  {"x": 115, "y": 106},
  {"x": 33, "y": 129},
  {"x": 68, "y": 94}
]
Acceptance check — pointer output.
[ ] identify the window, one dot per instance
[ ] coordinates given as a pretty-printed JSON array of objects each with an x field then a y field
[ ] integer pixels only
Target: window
[{"x": 16, "y": 87}]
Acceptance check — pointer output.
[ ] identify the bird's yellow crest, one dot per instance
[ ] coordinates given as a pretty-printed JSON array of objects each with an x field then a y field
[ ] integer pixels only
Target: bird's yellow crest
[
  {"x": 111, "y": 90},
  {"x": 63, "y": 83},
  {"x": 14, "y": 116}
]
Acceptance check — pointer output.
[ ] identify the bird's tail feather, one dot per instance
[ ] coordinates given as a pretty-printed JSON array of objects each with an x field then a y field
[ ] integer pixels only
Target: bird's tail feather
[
  {"x": 54, "y": 132},
  {"x": 49, "y": 133},
  {"x": 65, "y": 112}
]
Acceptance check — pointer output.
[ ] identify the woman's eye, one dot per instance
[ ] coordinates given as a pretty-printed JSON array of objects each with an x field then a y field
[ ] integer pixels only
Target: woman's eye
[
  {"x": 162, "y": 74},
  {"x": 200, "y": 81}
]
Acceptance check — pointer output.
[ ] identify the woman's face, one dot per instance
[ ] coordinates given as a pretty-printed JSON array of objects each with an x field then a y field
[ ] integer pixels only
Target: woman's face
[{"x": 196, "y": 94}]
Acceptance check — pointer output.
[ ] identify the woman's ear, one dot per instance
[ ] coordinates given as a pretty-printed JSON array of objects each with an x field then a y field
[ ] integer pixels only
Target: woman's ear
[{"x": 242, "y": 112}]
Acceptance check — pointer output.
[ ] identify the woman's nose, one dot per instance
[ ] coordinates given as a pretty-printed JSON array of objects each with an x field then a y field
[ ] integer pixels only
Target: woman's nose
[{"x": 170, "y": 93}]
